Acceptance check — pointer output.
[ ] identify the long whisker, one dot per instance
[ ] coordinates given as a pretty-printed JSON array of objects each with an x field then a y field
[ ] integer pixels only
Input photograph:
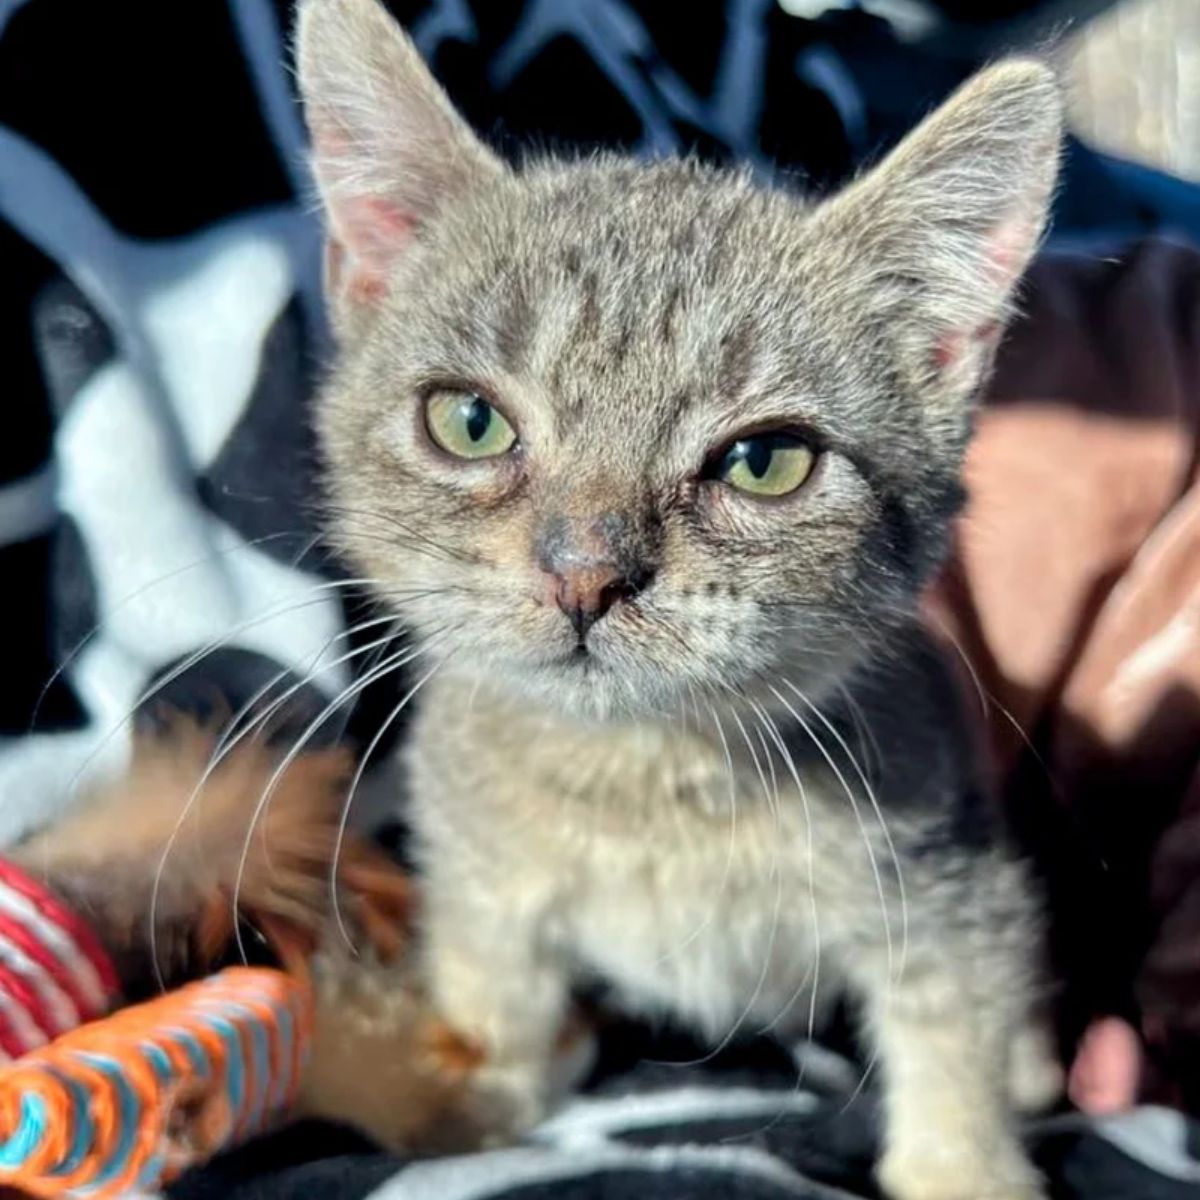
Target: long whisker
[
  {"x": 862, "y": 727},
  {"x": 233, "y": 727},
  {"x": 412, "y": 537},
  {"x": 191, "y": 661},
  {"x": 117, "y": 605},
  {"x": 987, "y": 699},
  {"x": 885, "y": 914},
  {"x": 227, "y": 744},
  {"x": 732, "y": 776},
  {"x": 732, "y": 844},
  {"x": 398, "y": 542},
  {"x": 344, "y": 822},
  {"x": 766, "y": 966},
  {"x": 841, "y": 778},
  {"x": 812, "y": 975},
  {"x": 790, "y": 764},
  {"x": 389, "y": 665},
  {"x": 879, "y": 816}
]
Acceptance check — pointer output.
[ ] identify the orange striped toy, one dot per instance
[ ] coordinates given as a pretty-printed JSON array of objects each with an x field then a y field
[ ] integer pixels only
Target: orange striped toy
[{"x": 130, "y": 1101}]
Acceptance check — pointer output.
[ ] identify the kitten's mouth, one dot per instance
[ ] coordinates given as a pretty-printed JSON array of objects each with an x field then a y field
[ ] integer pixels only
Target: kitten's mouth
[
  {"x": 579, "y": 658},
  {"x": 574, "y": 661}
]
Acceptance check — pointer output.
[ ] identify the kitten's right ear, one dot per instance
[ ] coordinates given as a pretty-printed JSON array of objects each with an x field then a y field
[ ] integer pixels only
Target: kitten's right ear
[{"x": 388, "y": 148}]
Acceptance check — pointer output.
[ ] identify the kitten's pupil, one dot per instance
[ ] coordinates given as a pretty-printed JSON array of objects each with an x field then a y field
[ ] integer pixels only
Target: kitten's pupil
[
  {"x": 757, "y": 454},
  {"x": 478, "y": 416}
]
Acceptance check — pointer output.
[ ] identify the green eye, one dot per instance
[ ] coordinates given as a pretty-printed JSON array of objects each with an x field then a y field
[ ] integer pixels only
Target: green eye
[
  {"x": 769, "y": 464},
  {"x": 467, "y": 426}
]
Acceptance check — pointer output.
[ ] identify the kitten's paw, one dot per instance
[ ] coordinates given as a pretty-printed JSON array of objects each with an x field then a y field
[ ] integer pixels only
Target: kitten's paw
[
  {"x": 497, "y": 1097},
  {"x": 504, "y": 1100},
  {"x": 1035, "y": 1077},
  {"x": 507, "y": 1097},
  {"x": 931, "y": 1176}
]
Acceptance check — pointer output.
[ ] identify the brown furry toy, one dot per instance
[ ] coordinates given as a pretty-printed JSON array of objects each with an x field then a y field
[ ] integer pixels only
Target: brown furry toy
[{"x": 198, "y": 845}]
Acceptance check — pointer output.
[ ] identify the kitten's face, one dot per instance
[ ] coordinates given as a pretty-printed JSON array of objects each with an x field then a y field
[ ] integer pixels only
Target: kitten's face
[
  {"x": 628, "y": 438},
  {"x": 613, "y": 332}
]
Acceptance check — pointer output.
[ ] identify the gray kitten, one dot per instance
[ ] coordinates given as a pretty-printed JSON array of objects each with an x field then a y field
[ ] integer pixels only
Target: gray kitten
[{"x": 654, "y": 462}]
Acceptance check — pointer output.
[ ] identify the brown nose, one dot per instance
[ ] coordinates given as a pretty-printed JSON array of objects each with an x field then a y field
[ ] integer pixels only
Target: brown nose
[{"x": 585, "y": 594}]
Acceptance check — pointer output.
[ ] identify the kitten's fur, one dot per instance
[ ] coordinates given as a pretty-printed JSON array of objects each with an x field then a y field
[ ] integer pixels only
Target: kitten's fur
[{"x": 679, "y": 809}]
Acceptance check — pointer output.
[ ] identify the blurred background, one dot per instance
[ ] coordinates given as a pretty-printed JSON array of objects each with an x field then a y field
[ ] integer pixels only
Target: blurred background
[{"x": 1134, "y": 74}]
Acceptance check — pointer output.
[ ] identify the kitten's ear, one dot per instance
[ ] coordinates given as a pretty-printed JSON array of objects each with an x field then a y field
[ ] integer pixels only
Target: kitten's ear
[
  {"x": 388, "y": 148},
  {"x": 937, "y": 236}
]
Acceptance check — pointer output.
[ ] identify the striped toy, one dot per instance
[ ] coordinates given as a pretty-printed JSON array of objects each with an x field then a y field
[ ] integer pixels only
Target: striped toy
[
  {"x": 94, "y": 1105},
  {"x": 130, "y": 1101},
  {"x": 54, "y": 973}
]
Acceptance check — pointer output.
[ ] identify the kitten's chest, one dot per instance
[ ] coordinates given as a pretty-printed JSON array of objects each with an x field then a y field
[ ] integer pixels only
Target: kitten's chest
[
  {"x": 708, "y": 923},
  {"x": 690, "y": 888},
  {"x": 659, "y": 811},
  {"x": 729, "y": 918}
]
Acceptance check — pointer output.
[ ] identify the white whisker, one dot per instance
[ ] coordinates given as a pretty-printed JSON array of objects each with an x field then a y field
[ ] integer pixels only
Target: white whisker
[
  {"x": 192, "y": 660},
  {"x": 117, "y": 605},
  {"x": 736, "y": 1026},
  {"x": 790, "y": 763},
  {"x": 388, "y": 666},
  {"x": 223, "y": 748},
  {"x": 883, "y": 826},
  {"x": 343, "y": 823},
  {"x": 841, "y": 778},
  {"x": 694, "y": 933}
]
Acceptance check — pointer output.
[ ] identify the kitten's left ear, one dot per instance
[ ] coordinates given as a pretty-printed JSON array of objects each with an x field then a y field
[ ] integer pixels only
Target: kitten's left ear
[
  {"x": 936, "y": 238},
  {"x": 388, "y": 149}
]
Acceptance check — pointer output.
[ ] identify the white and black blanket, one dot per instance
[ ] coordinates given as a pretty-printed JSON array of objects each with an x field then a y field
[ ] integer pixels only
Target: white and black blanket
[{"x": 161, "y": 332}]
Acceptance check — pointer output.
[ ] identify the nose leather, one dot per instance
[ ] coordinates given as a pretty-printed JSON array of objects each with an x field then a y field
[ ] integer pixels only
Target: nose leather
[
  {"x": 591, "y": 566},
  {"x": 585, "y": 594}
]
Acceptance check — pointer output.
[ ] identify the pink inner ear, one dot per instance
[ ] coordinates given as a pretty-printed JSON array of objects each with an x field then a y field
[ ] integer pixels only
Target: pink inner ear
[
  {"x": 1008, "y": 248},
  {"x": 1005, "y": 256},
  {"x": 949, "y": 347},
  {"x": 372, "y": 231},
  {"x": 368, "y": 230}
]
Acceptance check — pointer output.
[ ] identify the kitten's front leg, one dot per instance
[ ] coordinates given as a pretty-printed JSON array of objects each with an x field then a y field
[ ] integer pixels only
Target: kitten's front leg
[
  {"x": 493, "y": 979},
  {"x": 949, "y": 1131}
]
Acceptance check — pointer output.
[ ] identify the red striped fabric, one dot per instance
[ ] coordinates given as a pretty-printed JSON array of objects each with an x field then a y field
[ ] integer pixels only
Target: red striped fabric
[
  {"x": 23, "y": 992},
  {"x": 54, "y": 973},
  {"x": 11, "y": 1043},
  {"x": 49, "y": 905},
  {"x": 79, "y": 1007}
]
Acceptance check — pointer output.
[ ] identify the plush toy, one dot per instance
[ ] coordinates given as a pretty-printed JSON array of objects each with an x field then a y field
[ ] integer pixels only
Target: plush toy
[{"x": 96, "y": 1105}]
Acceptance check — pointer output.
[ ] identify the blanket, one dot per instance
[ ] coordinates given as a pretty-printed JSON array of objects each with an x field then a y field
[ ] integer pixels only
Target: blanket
[{"x": 159, "y": 544}]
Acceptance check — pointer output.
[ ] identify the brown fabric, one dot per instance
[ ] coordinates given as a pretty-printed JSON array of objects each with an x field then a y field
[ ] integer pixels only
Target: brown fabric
[{"x": 1074, "y": 593}]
